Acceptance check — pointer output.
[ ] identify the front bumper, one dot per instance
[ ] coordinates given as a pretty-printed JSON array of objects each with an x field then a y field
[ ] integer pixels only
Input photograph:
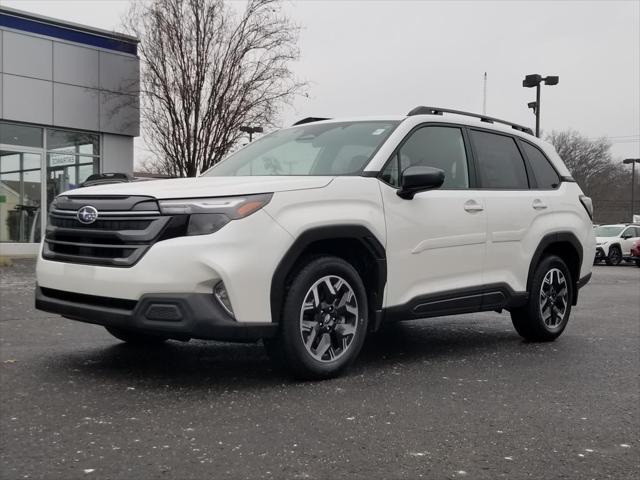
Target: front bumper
[
  {"x": 174, "y": 315},
  {"x": 243, "y": 254}
]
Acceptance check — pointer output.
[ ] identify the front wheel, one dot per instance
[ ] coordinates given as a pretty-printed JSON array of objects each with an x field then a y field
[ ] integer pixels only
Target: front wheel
[
  {"x": 324, "y": 320},
  {"x": 547, "y": 311},
  {"x": 614, "y": 257}
]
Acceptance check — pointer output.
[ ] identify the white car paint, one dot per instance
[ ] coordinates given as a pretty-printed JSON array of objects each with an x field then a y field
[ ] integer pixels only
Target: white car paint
[{"x": 442, "y": 240}]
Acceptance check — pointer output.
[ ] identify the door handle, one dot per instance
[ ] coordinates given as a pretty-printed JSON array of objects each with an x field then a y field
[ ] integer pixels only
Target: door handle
[
  {"x": 473, "y": 206},
  {"x": 538, "y": 204}
]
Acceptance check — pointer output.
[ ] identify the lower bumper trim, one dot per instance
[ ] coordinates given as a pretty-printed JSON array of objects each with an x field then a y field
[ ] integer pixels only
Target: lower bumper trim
[{"x": 183, "y": 315}]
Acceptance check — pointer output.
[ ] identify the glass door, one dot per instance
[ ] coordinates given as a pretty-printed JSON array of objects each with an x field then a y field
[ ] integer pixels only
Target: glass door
[{"x": 20, "y": 196}]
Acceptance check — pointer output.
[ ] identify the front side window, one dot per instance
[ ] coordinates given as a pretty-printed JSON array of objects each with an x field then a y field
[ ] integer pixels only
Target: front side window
[
  {"x": 432, "y": 146},
  {"x": 546, "y": 177},
  {"x": 340, "y": 148},
  {"x": 499, "y": 161}
]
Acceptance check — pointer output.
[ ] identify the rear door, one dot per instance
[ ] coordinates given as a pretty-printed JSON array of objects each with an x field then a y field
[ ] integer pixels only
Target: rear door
[{"x": 518, "y": 217}]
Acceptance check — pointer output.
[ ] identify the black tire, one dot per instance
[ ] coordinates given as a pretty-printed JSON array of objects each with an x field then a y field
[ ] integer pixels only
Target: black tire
[
  {"x": 289, "y": 348},
  {"x": 135, "y": 338},
  {"x": 638, "y": 263},
  {"x": 614, "y": 257},
  {"x": 528, "y": 320}
]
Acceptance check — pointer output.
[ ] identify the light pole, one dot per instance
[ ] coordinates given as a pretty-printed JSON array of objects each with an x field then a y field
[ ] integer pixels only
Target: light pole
[
  {"x": 534, "y": 80},
  {"x": 633, "y": 162},
  {"x": 251, "y": 131}
]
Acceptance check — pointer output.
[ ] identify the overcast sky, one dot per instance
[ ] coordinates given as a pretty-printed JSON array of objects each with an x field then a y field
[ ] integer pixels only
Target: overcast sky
[{"x": 373, "y": 57}]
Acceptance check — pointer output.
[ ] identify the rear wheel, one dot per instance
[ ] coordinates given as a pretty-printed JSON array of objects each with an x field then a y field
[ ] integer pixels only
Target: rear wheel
[
  {"x": 547, "y": 311},
  {"x": 614, "y": 257},
  {"x": 135, "y": 338},
  {"x": 638, "y": 262},
  {"x": 324, "y": 320}
]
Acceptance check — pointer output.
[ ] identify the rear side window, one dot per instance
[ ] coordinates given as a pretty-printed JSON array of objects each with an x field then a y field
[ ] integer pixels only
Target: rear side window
[
  {"x": 546, "y": 176},
  {"x": 499, "y": 161}
]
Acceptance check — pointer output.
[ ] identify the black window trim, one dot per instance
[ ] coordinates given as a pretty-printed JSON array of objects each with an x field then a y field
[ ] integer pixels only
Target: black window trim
[
  {"x": 528, "y": 162},
  {"x": 527, "y": 168},
  {"x": 471, "y": 167}
]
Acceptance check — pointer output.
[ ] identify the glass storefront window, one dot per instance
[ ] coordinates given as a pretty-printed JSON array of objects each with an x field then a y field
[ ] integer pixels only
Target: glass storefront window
[
  {"x": 20, "y": 135},
  {"x": 20, "y": 196},
  {"x": 70, "y": 157},
  {"x": 73, "y": 142},
  {"x": 66, "y": 172}
]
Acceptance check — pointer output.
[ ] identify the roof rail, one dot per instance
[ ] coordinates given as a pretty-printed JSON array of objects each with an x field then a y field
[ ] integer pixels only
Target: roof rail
[
  {"x": 483, "y": 118},
  {"x": 309, "y": 120}
]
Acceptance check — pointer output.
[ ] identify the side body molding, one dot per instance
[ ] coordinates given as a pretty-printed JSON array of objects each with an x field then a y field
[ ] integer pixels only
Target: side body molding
[{"x": 359, "y": 233}]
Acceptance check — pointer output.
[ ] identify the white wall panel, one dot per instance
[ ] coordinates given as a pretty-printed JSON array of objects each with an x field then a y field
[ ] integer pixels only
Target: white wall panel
[
  {"x": 117, "y": 153},
  {"x": 27, "y": 99},
  {"x": 76, "y": 107},
  {"x": 119, "y": 73},
  {"x": 119, "y": 113},
  {"x": 26, "y": 55},
  {"x": 76, "y": 65}
]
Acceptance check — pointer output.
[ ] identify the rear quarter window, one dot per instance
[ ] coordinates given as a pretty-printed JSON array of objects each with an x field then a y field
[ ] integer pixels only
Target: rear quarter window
[{"x": 546, "y": 176}]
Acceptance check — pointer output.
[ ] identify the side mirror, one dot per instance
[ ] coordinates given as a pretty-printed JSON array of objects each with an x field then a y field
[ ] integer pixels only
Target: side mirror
[
  {"x": 419, "y": 179},
  {"x": 627, "y": 236}
]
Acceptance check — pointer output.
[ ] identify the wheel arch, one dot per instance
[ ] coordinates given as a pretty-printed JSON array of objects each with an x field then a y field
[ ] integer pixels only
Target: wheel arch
[
  {"x": 565, "y": 245},
  {"x": 353, "y": 243}
]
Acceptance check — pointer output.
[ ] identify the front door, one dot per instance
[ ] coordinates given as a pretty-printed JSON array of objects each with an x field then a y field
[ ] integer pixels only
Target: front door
[{"x": 436, "y": 241}]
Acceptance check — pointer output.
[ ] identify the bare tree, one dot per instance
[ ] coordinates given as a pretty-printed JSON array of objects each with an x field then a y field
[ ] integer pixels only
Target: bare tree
[
  {"x": 206, "y": 70},
  {"x": 591, "y": 164}
]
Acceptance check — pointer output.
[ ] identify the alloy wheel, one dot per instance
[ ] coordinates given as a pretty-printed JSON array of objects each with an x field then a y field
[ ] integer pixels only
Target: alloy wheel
[
  {"x": 554, "y": 298},
  {"x": 329, "y": 318}
]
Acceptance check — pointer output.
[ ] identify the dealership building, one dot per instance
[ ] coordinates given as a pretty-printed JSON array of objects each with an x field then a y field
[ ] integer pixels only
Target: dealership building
[{"x": 69, "y": 107}]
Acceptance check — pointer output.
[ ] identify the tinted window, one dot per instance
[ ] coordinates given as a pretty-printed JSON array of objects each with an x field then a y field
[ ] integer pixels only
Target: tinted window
[
  {"x": 438, "y": 147},
  {"x": 499, "y": 161},
  {"x": 546, "y": 176}
]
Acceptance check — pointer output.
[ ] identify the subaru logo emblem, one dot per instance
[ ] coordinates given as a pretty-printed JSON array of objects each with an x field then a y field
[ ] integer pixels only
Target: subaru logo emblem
[{"x": 87, "y": 215}]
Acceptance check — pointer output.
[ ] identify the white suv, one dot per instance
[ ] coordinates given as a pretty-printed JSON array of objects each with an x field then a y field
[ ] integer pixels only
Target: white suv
[
  {"x": 614, "y": 242},
  {"x": 316, "y": 234}
]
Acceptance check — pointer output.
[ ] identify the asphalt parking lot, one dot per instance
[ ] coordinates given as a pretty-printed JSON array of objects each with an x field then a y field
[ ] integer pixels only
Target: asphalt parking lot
[{"x": 442, "y": 398}]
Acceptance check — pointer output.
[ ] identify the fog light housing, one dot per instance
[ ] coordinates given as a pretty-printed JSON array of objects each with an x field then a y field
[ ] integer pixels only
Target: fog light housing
[{"x": 220, "y": 292}]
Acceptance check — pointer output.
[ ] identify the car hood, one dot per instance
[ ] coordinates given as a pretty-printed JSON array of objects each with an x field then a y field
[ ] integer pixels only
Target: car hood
[
  {"x": 605, "y": 239},
  {"x": 204, "y": 187}
]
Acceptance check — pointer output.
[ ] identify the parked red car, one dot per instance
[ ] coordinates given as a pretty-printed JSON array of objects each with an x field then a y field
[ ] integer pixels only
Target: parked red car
[{"x": 635, "y": 252}]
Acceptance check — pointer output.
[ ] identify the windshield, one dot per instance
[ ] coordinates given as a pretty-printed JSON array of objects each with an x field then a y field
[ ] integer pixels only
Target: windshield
[
  {"x": 341, "y": 148},
  {"x": 608, "y": 231}
]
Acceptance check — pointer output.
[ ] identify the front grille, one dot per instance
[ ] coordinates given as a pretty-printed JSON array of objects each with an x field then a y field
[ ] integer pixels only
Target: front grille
[
  {"x": 125, "y": 229},
  {"x": 129, "y": 224}
]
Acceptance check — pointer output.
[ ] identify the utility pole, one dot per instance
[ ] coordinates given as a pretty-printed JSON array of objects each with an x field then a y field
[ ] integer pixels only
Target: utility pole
[
  {"x": 633, "y": 162},
  {"x": 534, "y": 81},
  {"x": 484, "y": 95},
  {"x": 251, "y": 131}
]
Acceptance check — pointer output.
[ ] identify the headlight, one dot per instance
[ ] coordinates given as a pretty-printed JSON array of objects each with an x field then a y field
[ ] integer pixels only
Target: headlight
[{"x": 208, "y": 215}]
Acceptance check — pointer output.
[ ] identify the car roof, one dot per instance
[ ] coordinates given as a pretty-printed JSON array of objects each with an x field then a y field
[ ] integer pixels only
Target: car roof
[{"x": 446, "y": 117}]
